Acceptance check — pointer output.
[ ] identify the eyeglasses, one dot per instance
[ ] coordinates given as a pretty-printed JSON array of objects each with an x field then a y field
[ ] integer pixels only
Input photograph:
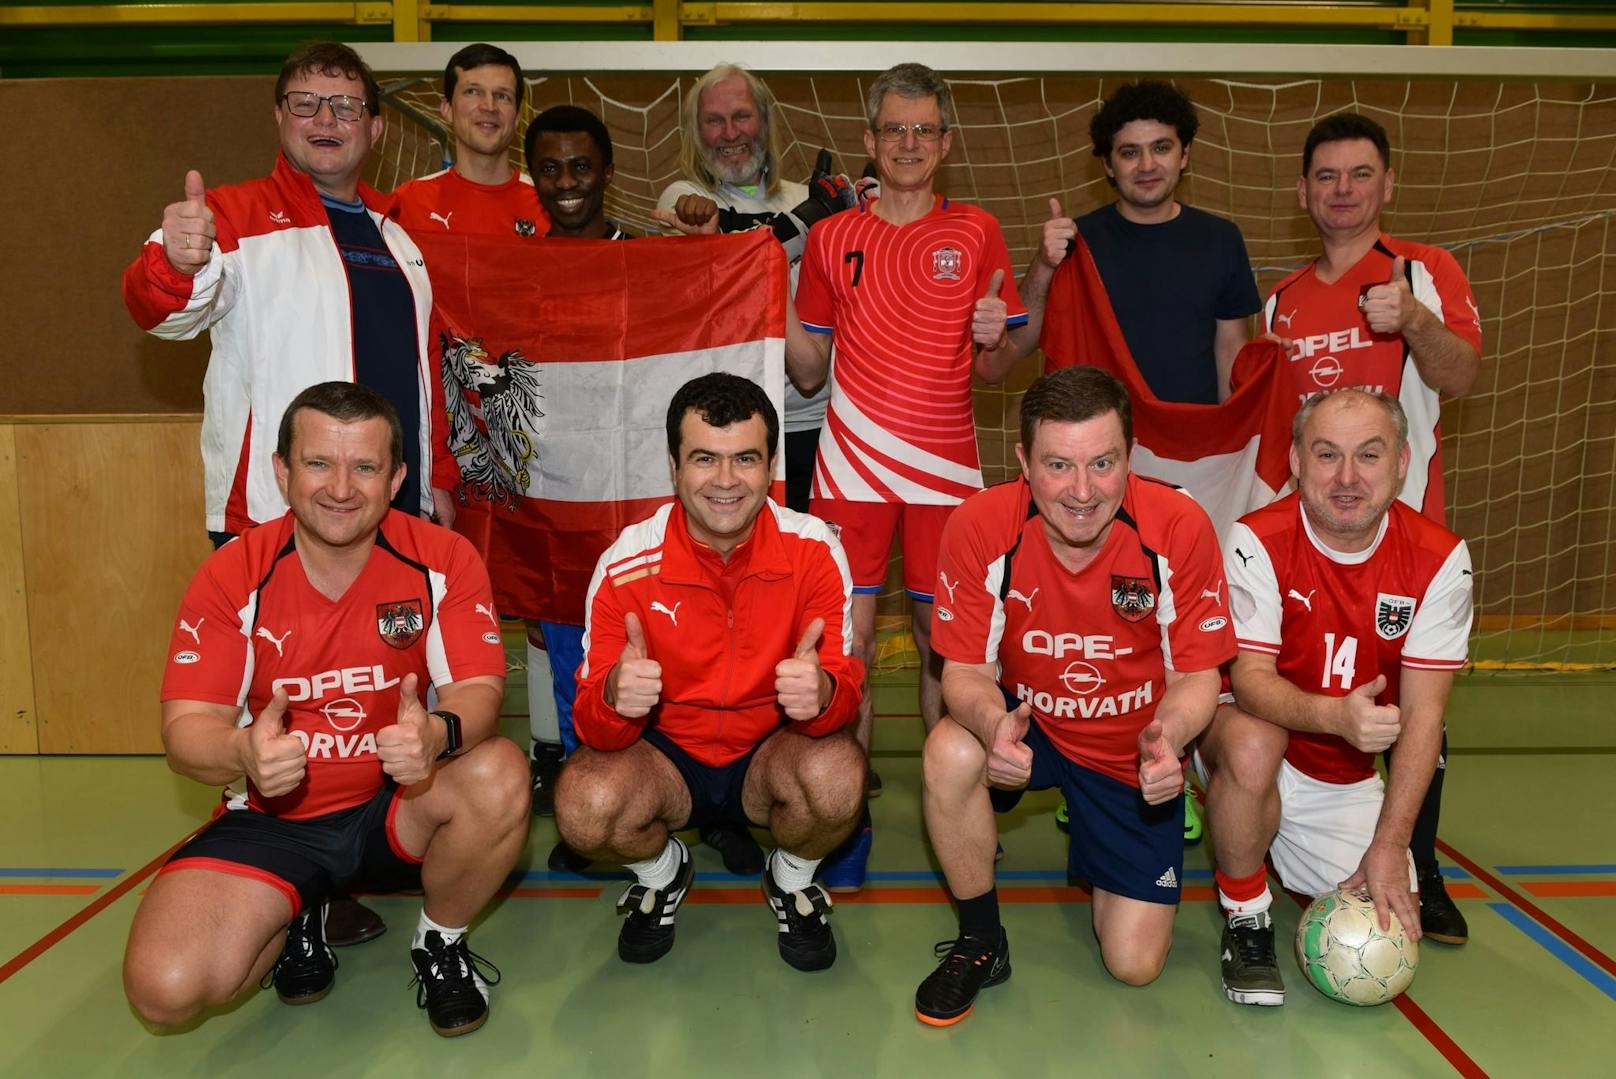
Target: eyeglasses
[
  {"x": 896, "y": 132},
  {"x": 307, "y": 103}
]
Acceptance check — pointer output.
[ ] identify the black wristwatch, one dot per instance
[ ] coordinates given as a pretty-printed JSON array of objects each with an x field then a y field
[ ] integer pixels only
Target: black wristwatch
[{"x": 451, "y": 727}]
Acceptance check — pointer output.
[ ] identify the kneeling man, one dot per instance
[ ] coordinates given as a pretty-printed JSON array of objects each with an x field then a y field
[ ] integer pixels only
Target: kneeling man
[
  {"x": 718, "y": 683},
  {"x": 1353, "y": 614},
  {"x": 1081, "y": 621},
  {"x": 299, "y": 659}
]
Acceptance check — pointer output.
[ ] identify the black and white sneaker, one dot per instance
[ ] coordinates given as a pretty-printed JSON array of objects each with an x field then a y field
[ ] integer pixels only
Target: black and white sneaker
[
  {"x": 1250, "y": 968},
  {"x": 805, "y": 939},
  {"x": 647, "y": 933},
  {"x": 543, "y": 768},
  {"x": 452, "y": 984},
  {"x": 307, "y": 967},
  {"x": 969, "y": 965}
]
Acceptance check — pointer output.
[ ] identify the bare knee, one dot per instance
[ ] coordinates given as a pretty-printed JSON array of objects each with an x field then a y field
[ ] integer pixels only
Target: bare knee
[
  {"x": 589, "y": 800},
  {"x": 1134, "y": 962},
  {"x": 494, "y": 781},
  {"x": 1248, "y": 751},
  {"x": 163, "y": 990},
  {"x": 952, "y": 756},
  {"x": 831, "y": 773}
]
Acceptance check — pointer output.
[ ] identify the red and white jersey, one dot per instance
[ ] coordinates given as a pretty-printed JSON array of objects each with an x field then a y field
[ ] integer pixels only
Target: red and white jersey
[
  {"x": 1089, "y": 651},
  {"x": 899, "y": 300},
  {"x": 1333, "y": 346},
  {"x": 448, "y": 202},
  {"x": 251, "y": 622},
  {"x": 1335, "y": 621}
]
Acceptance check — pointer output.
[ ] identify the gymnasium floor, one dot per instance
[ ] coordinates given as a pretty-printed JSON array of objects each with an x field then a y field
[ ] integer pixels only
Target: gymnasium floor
[{"x": 1530, "y": 852}]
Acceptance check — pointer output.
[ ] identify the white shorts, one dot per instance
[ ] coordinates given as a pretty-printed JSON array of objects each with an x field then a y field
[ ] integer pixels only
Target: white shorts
[{"x": 1324, "y": 829}]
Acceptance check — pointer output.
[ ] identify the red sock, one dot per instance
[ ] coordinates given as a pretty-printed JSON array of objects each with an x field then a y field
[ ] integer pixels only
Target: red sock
[{"x": 1244, "y": 895}]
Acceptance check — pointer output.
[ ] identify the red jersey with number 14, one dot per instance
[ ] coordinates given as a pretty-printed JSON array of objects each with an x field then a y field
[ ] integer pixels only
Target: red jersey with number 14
[
  {"x": 1089, "y": 651},
  {"x": 1334, "y": 621},
  {"x": 899, "y": 300},
  {"x": 251, "y": 622}
]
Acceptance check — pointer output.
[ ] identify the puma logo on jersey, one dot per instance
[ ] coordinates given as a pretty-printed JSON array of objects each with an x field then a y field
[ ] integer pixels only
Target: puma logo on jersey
[
  {"x": 192, "y": 630},
  {"x": 1284, "y": 320},
  {"x": 1306, "y": 601},
  {"x": 483, "y": 609},
  {"x": 1014, "y": 594},
  {"x": 274, "y": 640},
  {"x": 950, "y": 587},
  {"x": 444, "y": 218},
  {"x": 673, "y": 615},
  {"x": 1214, "y": 594},
  {"x": 1245, "y": 559}
]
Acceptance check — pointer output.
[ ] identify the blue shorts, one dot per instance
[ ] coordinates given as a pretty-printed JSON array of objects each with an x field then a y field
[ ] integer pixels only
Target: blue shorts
[
  {"x": 715, "y": 793},
  {"x": 565, "y": 644},
  {"x": 1117, "y": 841}
]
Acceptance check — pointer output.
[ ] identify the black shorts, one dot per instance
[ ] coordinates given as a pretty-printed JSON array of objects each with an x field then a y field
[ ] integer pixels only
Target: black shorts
[
  {"x": 715, "y": 793},
  {"x": 351, "y": 850}
]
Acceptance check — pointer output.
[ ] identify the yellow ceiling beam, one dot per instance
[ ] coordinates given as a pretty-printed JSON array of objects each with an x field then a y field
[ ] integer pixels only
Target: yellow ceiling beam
[
  {"x": 167, "y": 14},
  {"x": 1075, "y": 14}
]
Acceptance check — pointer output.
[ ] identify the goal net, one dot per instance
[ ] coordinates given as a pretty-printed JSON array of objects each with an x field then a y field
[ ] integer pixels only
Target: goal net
[{"x": 1516, "y": 176}]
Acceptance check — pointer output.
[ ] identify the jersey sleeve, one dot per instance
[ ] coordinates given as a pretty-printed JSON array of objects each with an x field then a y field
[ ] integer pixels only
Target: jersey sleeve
[
  {"x": 829, "y": 586},
  {"x": 1440, "y": 285},
  {"x": 209, "y": 658},
  {"x": 1254, "y": 598},
  {"x": 816, "y": 303},
  {"x": 967, "y": 618},
  {"x": 175, "y": 306},
  {"x": 996, "y": 256},
  {"x": 464, "y": 640},
  {"x": 1439, "y": 635},
  {"x": 1195, "y": 624},
  {"x": 1238, "y": 297},
  {"x": 596, "y": 723}
]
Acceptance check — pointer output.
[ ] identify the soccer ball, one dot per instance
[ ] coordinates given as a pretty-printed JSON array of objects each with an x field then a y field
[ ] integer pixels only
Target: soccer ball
[{"x": 1346, "y": 957}]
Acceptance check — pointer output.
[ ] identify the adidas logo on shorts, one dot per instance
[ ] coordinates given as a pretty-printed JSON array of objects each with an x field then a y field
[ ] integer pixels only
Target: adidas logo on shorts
[{"x": 1168, "y": 879}]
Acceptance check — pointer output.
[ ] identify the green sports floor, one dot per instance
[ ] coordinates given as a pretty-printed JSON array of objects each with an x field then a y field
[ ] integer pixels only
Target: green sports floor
[{"x": 1529, "y": 841}]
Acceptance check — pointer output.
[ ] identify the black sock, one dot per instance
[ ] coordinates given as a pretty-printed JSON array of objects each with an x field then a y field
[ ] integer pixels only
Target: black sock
[
  {"x": 548, "y": 749},
  {"x": 979, "y": 915}
]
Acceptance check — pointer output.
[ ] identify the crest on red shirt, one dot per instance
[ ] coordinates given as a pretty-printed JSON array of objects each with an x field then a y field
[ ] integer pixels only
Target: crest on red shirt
[
  {"x": 945, "y": 263},
  {"x": 399, "y": 622},
  {"x": 1393, "y": 615},
  {"x": 1132, "y": 598}
]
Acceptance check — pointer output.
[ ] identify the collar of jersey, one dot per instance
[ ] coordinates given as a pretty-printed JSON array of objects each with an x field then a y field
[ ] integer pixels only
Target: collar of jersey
[
  {"x": 1345, "y": 558},
  {"x": 681, "y": 564}
]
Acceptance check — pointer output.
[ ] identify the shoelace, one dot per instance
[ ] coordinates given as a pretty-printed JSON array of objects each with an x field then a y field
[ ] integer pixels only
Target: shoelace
[
  {"x": 453, "y": 966},
  {"x": 962, "y": 952},
  {"x": 1255, "y": 945},
  {"x": 304, "y": 944}
]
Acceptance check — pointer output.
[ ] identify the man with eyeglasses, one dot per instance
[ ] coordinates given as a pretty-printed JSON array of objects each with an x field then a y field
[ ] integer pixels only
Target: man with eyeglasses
[
  {"x": 300, "y": 279},
  {"x": 918, "y": 293},
  {"x": 482, "y": 194}
]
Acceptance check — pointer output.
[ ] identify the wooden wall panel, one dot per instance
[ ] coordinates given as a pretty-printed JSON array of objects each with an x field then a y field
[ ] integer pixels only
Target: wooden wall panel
[
  {"x": 18, "y": 733},
  {"x": 112, "y": 531}
]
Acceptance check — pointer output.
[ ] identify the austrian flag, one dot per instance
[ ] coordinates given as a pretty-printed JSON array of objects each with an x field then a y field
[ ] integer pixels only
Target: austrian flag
[{"x": 558, "y": 361}]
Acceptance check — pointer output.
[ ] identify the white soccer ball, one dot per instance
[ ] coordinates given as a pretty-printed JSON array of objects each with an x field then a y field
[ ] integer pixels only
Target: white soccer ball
[{"x": 1344, "y": 954}]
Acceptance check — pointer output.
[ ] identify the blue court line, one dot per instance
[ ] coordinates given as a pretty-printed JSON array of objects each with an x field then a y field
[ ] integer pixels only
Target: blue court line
[
  {"x": 1558, "y": 948},
  {"x": 1556, "y": 870},
  {"x": 1454, "y": 872},
  {"x": 890, "y": 875},
  {"x": 57, "y": 871}
]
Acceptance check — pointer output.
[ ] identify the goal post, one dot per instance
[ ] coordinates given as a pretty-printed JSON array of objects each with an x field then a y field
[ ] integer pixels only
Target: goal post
[{"x": 1506, "y": 157}]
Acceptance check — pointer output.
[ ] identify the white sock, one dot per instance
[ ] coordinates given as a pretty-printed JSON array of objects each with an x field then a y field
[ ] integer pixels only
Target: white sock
[
  {"x": 792, "y": 872},
  {"x": 543, "y": 722},
  {"x": 657, "y": 873},
  {"x": 1259, "y": 905},
  {"x": 449, "y": 935}
]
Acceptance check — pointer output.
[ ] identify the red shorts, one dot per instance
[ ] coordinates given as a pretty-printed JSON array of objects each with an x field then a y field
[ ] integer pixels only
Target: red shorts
[{"x": 866, "y": 528}]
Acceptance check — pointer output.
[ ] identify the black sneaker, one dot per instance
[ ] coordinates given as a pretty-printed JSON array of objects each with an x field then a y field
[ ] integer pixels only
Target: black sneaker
[
  {"x": 872, "y": 784},
  {"x": 734, "y": 843},
  {"x": 1250, "y": 970},
  {"x": 452, "y": 985},
  {"x": 307, "y": 967},
  {"x": 1439, "y": 917},
  {"x": 563, "y": 859},
  {"x": 805, "y": 939},
  {"x": 647, "y": 932},
  {"x": 969, "y": 965},
  {"x": 544, "y": 767}
]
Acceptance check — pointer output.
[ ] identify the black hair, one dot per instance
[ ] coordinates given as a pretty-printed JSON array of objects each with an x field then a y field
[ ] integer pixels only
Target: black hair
[
  {"x": 1342, "y": 127},
  {"x": 721, "y": 399},
  {"x": 1147, "y": 99},
  {"x": 568, "y": 118},
  {"x": 1072, "y": 395},
  {"x": 480, "y": 54},
  {"x": 346, "y": 402}
]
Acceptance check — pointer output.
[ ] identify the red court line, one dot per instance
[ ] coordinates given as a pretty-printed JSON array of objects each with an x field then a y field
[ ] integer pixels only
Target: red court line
[
  {"x": 96, "y": 906},
  {"x": 49, "y": 889},
  {"x": 1420, "y": 1021},
  {"x": 1594, "y": 955},
  {"x": 553, "y": 893},
  {"x": 1549, "y": 889}
]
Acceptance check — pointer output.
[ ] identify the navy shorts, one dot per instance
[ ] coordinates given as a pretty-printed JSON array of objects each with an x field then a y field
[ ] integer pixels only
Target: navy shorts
[
  {"x": 715, "y": 793},
  {"x": 1117, "y": 841},
  {"x": 354, "y": 849}
]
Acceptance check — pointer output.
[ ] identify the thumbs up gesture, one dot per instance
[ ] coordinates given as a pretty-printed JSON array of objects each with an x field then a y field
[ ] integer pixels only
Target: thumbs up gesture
[
  {"x": 274, "y": 760},
  {"x": 1370, "y": 727},
  {"x": 1009, "y": 756},
  {"x": 1160, "y": 777},
  {"x": 987, "y": 322},
  {"x": 1390, "y": 308},
  {"x": 408, "y": 747},
  {"x": 1060, "y": 236},
  {"x": 635, "y": 684},
  {"x": 188, "y": 228},
  {"x": 800, "y": 686}
]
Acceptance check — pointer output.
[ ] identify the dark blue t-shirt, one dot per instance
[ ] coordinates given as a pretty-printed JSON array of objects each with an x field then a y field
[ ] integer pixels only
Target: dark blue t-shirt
[
  {"x": 1169, "y": 284},
  {"x": 384, "y": 345}
]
